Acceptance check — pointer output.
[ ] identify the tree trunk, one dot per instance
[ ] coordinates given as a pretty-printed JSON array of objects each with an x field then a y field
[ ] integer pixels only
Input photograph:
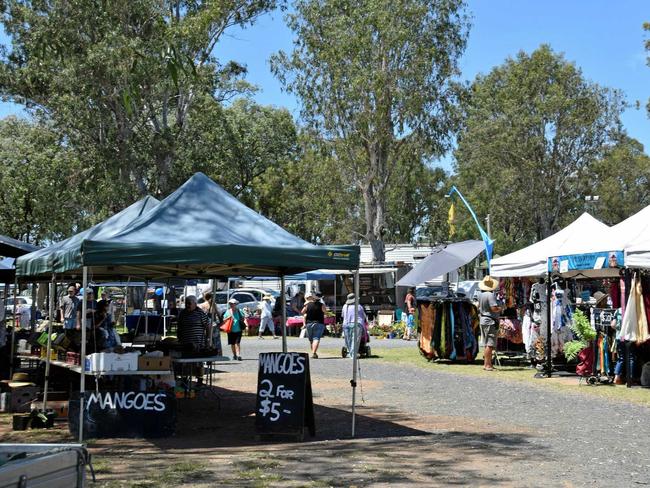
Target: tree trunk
[{"x": 374, "y": 201}]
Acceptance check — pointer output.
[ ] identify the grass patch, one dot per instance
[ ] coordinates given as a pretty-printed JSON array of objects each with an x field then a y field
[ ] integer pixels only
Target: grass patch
[
  {"x": 177, "y": 474},
  {"x": 101, "y": 467},
  {"x": 258, "y": 477},
  {"x": 411, "y": 356}
]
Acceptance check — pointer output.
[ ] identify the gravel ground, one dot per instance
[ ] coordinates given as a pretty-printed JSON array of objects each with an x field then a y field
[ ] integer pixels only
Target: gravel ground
[{"x": 545, "y": 437}]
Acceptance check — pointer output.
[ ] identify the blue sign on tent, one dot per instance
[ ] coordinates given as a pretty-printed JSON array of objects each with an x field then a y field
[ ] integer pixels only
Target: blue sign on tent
[{"x": 593, "y": 260}]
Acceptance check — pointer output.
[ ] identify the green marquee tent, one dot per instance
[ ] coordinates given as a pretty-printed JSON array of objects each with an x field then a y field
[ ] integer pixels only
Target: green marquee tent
[
  {"x": 66, "y": 255},
  {"x": 199, "y": 230}
]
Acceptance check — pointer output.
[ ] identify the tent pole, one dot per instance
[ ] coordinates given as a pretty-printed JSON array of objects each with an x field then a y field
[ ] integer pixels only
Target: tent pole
[
  {"x": 144, "y": 306},
  {"x": 213, "y": 312},
  {"x": 32, "y": 312},
  {"x": 283, "y": 297},
  {"x": 355, "y": 349},
  {"x": 549, "y": 291},
  {"x": 49, "y": 341},
  {"x": 334, "y": 299},
  {"x": 82, "y": 381},
  {"x": 13, "y": 331}
]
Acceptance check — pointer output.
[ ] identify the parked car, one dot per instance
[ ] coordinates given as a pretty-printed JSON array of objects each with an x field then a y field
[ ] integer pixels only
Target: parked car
[
  {"x": 429, "y": 292},
  {"x": 9, "y": 303},
  {"x": 469, "y": 289},
  {"x": 245, "y": 299}
]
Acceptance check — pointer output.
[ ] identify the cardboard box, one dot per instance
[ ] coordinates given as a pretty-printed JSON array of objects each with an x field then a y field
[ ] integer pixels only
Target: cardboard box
[
  {"x": 60, "y": 407},
  {"x": 21, "y": 398},
  {"x": 146, "y": 363},
  {"x": 385, "y": 317}
]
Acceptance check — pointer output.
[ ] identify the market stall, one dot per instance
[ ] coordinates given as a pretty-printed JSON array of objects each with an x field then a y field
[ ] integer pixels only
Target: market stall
[{"x": 166, "y": 241}]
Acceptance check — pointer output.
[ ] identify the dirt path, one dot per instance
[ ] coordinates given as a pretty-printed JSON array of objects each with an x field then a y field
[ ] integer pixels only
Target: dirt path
[{"x": 414, "y": 428}]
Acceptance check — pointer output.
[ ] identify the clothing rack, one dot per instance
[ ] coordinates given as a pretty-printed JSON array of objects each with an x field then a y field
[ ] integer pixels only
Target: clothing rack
[{"x": 448, "y": 329}]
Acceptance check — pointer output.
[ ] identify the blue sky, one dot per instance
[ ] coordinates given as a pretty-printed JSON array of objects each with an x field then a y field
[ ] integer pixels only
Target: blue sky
[{"x": 603, "y": 37}]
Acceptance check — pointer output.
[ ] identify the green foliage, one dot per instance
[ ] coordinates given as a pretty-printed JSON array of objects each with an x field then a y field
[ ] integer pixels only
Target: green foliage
[
  {"x": 534, "y": 128},
  {"x": 582, "y": 327},
  {"x": 573, "y": 348},
  {"x": 584, "y": 332},
  {"x": 621, "y": 178},
  {"x": 119, "y": 80},
  {"x": 376, "y": 82},
  {"x": 44, "y": 189}
]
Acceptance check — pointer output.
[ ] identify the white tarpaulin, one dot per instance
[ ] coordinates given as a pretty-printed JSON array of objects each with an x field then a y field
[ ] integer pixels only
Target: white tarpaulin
[
  {"x": 584, "y": 235},
  {"x": 636, "y": 231},
  {"x": 442, "y": 260}
]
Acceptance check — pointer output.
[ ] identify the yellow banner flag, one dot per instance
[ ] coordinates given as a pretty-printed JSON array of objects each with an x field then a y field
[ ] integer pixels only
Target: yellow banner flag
[{"x": 451, "y": 220}]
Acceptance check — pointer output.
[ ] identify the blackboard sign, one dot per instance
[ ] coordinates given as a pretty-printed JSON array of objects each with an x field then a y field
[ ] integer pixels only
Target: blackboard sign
[
  {"x": 124, "y": 414},
  {"x": 284, "y": 403}
]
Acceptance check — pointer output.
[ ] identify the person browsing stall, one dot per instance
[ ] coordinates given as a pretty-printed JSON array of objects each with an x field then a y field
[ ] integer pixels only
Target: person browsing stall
[
  {"x": 193, "y": 324},
  {"x": 490, "y": 310},
  {"x": 70, "y": 306},
  {"x": 348, "y": 315},
  {"x": 297, "y": 303},
  {"x": 239, "y": 323},
  {"x": 314, "y": 312}
]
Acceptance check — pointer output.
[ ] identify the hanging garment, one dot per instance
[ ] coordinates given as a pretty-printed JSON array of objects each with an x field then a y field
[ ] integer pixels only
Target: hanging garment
[
  {"x": 630, "y": 321},
  {"x": 427, "y": 321},
  {"x": 642, "y": 320},
  {"x": 530, "y": 333}
]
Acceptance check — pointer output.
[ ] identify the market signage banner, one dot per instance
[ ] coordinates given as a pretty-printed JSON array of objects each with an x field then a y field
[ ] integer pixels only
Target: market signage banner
[
  {"x": 594, "y": 260},
  {"x": 125, "y": 414}
]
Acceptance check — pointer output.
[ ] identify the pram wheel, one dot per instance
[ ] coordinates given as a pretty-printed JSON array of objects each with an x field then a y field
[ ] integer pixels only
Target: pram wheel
[
  {"x": 367, "y": 352},
  {"x": 591, "y": 380},
  {"x": 344, "y": 352}
]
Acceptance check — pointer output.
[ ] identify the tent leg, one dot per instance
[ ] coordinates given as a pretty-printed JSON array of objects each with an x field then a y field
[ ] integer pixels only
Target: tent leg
[
  {"x": 144, "y": 307},
  {"x": 49, "y": 340},
  {"x": 549, "y": 361},
  {"x": 284, "y": 314},
  {"x": 32, "y": 312},
  {"x": 13, "y": 331},
  {"x": 82, "y": 381},
  {"x": 355, "y": 350}
]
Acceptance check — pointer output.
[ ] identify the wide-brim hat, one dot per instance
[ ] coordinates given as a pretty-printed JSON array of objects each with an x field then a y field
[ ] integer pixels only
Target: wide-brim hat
[
  {"x": 351, "y": 299},
  {"x": 599, "y": 296},
  {"x": 488, "y": 284},
  {"x": 267, "y": 297},
  {"x": 18, "y": 380},
  {"x": 234, "y": 301}
]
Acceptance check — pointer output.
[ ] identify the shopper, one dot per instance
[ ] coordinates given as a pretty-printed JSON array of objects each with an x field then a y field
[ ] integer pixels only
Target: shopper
[
  {"x": 297, "y": 303},
  {"x": 266, "y": 316},
  {"x": 239, "y": 323},
  {"x": 489, "y": 310},
  {"x": 314, "y": 312},
  {"x": 410, "y": 305},
  {"x": 347, "y": 314},
  {"x": 193, "y": 324},
  {"x": 210, "y": 308},
  {"x": 70, "y": 306}
]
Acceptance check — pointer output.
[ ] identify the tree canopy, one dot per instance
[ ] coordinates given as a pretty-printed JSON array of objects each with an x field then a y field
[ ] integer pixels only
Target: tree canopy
[
  {"x": 533, "y": 129},
  {"x": 376, "y": 82}
]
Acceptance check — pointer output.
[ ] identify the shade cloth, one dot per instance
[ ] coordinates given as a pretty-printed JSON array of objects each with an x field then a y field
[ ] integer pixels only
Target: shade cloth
[{"x": 442, "y": 260}]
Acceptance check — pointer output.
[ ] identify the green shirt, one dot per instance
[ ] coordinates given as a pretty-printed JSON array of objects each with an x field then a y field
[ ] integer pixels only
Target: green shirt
[{"x": 237, "y": 321}]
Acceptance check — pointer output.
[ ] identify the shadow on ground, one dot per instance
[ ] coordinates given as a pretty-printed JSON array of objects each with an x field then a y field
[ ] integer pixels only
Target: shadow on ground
[{"x": 386, "y": 451}]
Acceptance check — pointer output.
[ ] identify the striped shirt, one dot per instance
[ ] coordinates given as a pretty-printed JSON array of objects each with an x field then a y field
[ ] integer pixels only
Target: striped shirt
[{"x": 192, "y": 327}]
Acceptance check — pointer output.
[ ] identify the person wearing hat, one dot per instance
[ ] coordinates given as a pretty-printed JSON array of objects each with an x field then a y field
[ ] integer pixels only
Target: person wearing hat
[
  {"x": 489, "y": 311},
  {"x": 347, "y": 315},
  {"x": 266, "y": 316},
  {"x": 239, "y": 323},
  {"x": 314, "y": 313}
]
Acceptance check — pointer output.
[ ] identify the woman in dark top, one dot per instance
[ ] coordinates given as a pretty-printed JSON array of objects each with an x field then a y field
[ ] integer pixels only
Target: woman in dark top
[{"x": 314, "y": 313}]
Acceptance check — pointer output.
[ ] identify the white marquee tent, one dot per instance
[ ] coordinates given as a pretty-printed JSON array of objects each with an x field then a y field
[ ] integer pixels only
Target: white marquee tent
[{"x": 584, "y": 235}]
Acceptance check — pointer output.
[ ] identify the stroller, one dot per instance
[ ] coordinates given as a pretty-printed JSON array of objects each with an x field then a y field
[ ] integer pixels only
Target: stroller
[{"x": 362, "y": 336}]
